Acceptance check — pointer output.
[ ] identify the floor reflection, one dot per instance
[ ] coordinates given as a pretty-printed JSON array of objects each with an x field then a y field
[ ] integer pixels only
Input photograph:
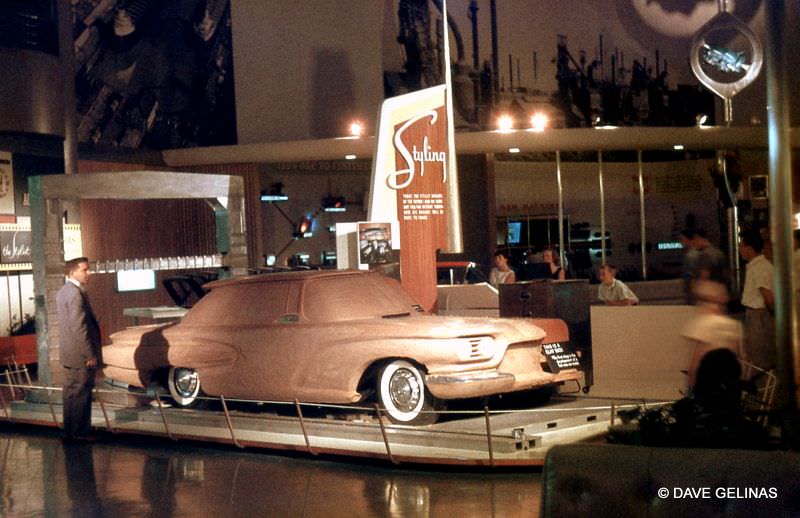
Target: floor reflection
[{"x": 134, "y": 477}]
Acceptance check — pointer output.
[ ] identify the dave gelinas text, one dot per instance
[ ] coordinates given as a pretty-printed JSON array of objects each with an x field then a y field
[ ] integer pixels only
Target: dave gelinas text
[{"x": 733, "y": 493}]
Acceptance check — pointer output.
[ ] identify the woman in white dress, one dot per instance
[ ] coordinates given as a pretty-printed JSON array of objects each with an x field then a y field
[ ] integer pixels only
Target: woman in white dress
[{"x": 502, "y": 272}]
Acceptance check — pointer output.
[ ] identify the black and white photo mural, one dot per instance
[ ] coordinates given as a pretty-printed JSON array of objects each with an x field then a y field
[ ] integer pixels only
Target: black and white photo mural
[{"x": 154, "y": 74}]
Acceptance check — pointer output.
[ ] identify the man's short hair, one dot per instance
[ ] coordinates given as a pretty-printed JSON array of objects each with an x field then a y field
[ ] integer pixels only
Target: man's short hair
[
  {"x": 610, "y": 267},
  {"x": 752, "y": 238},
  {"x": 72, "y": 265}
]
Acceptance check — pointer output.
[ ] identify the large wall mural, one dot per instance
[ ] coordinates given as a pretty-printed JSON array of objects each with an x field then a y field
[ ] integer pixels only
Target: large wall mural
[{"x": 154, "y": 74}]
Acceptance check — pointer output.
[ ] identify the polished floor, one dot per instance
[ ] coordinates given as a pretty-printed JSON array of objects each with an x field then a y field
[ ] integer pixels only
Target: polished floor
[{"x": 129, "y": 476}]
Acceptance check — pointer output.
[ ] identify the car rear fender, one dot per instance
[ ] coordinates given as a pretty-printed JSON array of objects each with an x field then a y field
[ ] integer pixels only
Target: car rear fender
[{"x": 202, "y": 354}]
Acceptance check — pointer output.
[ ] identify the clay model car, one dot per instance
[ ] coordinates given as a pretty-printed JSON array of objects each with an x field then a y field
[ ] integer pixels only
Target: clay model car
[{"x": 333, "y": 337}]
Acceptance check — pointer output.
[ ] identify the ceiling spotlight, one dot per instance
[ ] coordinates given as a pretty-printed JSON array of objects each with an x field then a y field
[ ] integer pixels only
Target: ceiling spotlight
[
  {"x": 678, "y": 147},
  {"x": 513, "y": 150},
  {"x": 350, "y": 157},
  {"x": 356, "y": 129},
  {"x": 538, "y": 121},
  {"x": 505, "y": 123}
]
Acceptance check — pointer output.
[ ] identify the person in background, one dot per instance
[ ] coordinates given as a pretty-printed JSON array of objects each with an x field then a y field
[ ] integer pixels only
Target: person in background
[
  {"x": 758, "y": 300},
  {"x": 710, "y": 328},
  {"x": 710, "y": 262},
  {"x": 556, "y": 272},
  {"x": 690, "y": 254},
  {"x": 80, "y": 349},
  {"x": 502, "y": 272},
  {"x": 612, "y": 291}
]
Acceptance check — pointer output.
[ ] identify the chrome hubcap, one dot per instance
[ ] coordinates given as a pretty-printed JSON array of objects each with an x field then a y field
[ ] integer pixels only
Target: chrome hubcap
[
  {"x": 185, "y": 381},
  {"x": 404, "y": 390}
]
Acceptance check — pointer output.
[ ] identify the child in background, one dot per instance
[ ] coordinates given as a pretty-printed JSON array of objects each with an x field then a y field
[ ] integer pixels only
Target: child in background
[{"x": 613, "y": 291}]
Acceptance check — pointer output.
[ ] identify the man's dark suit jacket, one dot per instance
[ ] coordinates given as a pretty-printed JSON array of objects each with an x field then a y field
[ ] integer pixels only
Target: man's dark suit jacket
[{"x": 78, "y": 330}]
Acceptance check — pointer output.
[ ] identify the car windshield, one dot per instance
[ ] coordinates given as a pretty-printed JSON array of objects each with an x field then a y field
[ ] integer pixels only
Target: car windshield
[{"x": 354, "y": 297}]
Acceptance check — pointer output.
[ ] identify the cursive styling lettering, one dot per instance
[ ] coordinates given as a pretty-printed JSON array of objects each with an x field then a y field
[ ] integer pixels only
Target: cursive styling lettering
[{"x": 415, "y": 155}]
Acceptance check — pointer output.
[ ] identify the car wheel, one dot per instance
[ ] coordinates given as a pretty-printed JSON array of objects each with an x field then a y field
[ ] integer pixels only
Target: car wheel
[
  {"x": 402, "y": 393},
  {"x": 184, "y": 385}
]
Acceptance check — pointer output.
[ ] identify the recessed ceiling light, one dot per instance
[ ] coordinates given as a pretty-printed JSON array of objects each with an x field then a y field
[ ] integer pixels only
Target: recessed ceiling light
[
  {"x": 678, "y": 147},
  {"x": 513, "y": 150},
  {"x": 350, "y": 157}
]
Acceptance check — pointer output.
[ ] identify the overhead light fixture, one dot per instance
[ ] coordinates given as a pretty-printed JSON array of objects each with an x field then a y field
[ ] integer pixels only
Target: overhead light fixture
[
  {"x": 505, "y": 123},
  {"x": 303, "y": 229},
  {"x": 539, "y": 121},
  {"x": 678, "y": 147},
  {"x": 274, "y": 194},
  {"x": 350, "y": 157},
  {"x": 334, "y": 204},
  {"x": 356, "y": 129},
  {"x": 513, "y": 150}
]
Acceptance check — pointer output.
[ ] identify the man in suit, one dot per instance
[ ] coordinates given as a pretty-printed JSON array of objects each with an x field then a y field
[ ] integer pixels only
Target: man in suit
[{"x": 79, "y": 343}]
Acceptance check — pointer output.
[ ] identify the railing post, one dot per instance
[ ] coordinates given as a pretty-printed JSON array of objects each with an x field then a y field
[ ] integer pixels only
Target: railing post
[
  {"x": 488, "y": 434},
  {"x": 383, "y": 433},
  {"x": 164, "y": 417},
  {"x": 228, "y": 420},
  {"x": 103, "y": 408},
  {"x": 303, "y": 427},
  {"x": 50, "y": 404},
  {"x": 3, "y": 402},
  {"x": 11, "y": 385}
]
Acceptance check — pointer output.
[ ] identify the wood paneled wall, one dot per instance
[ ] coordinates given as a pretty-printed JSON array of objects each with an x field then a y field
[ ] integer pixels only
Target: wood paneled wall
[
  {"x": 117, "y": 229},
  {"x": 252, "y": 195}
]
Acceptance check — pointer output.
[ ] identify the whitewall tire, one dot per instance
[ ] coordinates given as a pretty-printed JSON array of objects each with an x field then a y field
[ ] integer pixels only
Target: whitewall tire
[{"x": 402, "y": 394}]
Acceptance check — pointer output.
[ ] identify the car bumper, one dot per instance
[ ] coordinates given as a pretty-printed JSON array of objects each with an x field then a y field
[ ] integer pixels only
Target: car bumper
[{"x": 475, "y": 384}]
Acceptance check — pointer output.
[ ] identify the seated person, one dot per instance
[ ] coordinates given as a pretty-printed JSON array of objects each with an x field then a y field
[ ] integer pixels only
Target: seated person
[
  {"x": 556, "y": 272},
  {"x": 612, "y": 291},
  {"x": 502, "y": 272}
]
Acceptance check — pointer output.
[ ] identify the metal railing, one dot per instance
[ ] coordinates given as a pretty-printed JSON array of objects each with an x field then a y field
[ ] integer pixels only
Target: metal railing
[{"x": 375, "y": 412}]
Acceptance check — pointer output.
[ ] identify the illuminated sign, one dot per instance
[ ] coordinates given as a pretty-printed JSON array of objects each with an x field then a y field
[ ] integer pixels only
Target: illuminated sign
[
  {"x": 726, "y": 55},
  {"x": 414, "y": 182}
]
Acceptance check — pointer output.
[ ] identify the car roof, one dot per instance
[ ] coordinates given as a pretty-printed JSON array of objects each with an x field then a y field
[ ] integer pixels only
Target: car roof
[{"x": 294, "y": 276}]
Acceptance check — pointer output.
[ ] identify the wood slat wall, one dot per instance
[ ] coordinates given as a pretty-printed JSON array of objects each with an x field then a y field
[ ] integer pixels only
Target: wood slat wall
[{"x": 117, "y": 229}]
